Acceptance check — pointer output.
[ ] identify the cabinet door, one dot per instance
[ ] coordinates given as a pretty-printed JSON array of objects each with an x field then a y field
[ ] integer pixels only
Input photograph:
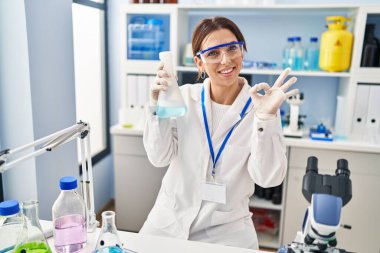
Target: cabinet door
[
  {"x": 361, "y": 212},
  {"x": 137, "y": 183}
]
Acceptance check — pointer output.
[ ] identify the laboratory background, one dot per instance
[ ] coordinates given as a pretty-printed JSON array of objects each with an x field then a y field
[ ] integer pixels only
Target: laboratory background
[{"x": 77, "y": 73}]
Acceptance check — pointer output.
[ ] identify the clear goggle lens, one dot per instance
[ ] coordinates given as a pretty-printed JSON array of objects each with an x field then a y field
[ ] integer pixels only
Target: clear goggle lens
[{"x": 215, "y": 54}]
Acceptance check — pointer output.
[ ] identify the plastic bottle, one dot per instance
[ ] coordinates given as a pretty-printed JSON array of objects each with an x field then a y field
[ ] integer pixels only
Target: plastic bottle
[
  {"x": 371, "y": 48},
  {"x": 336, "y": 45},
  {"x": 297, "y": 54},
  {"x": 170, "y": 102},
  {"x": 31, "y": 239},
  {"x": 286, "y": 59},
  {"x": 312, "y": 55},
  {"x": 69, "y": 221},
  {"x": 10, "y": 225}
]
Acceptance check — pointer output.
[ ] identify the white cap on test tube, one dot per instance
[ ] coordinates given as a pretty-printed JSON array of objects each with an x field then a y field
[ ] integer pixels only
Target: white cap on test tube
[{"x": 167, "y": 58}]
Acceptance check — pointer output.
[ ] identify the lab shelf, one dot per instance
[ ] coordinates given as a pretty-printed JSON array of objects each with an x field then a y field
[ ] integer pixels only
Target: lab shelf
[
  {"x": 268, "y": 241},
  {"x": 252, "y": 71}
]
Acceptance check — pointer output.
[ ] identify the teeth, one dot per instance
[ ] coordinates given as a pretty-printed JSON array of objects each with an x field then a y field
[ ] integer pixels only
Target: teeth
[{"x": 226, "y": 71}]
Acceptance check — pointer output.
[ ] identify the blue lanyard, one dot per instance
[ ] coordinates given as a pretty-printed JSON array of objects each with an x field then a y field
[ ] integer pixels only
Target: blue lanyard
[{"x": 215, "y": 160}]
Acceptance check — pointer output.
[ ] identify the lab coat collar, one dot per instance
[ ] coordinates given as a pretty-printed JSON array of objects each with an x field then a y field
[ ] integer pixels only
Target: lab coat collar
[{"x": 233, "y": 114}]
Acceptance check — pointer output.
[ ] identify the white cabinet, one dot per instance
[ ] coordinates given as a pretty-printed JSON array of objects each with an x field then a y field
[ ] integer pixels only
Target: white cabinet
[
  {"x": 361, "y": 212},
  {"x": 137, "y": 182}
]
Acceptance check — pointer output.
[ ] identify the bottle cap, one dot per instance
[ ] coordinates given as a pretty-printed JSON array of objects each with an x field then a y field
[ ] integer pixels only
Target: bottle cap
[
  {"x": 68, "y": 183},
  {"x": 9, "y": 207},
  {"x": 290, "y": 39},
  {"x": 313, "y": 39},
  {"x": 297, "y": 38}
]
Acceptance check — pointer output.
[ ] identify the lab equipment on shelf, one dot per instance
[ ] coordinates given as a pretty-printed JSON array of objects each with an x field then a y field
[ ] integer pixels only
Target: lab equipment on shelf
[
  {"x": 371, "y": 48},
  {"x": 321, "y": 133},
  {"x": 69, "y": 218},
  {"x": 187, "y": 57},
  {"x": 145, "y": 39},
  {"x": 286, "y": 59},
  {"x": 31, "y": 238},
  {"x": 312, "y": 55},
  {"x": 293, "y": 129},
  {"x": 296, "y": 54},
  {"x": 336, "y": 45},
  {"x": 327, "y": 195},
  {"x": 10, "y": 225},
  {"x": 170, "y": 102}
]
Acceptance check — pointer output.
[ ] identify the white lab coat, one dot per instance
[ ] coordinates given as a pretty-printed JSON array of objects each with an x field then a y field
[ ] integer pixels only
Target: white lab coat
[{"x": 255, "y": 153}]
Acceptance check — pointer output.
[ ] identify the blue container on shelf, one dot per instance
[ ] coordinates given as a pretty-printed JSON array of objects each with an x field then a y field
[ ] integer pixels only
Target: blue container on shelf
[{"x": 146, "y": 40}]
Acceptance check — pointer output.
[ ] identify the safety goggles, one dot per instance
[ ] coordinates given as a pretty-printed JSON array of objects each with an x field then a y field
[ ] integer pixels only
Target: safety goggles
[{"x": 215, "y": 54}]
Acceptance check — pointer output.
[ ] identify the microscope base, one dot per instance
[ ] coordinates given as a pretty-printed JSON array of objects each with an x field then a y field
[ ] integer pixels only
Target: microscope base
[
  {"x": 295, "y": 134},
  {"x": 297, "y": 247}
]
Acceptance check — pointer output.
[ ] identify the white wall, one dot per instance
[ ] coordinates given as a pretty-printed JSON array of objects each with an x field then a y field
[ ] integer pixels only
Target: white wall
[{"x": 16, "y": 124}]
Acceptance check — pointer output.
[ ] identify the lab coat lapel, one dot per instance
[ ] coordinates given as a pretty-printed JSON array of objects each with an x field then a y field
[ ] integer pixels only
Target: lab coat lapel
[
  {"x": 196, "y": 95},
  {"x": 233, "y": 114}
]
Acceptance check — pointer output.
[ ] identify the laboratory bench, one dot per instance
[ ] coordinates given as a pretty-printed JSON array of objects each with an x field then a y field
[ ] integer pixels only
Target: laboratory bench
[
  {"x": 151, "y": 244},
  {"x": 135, "y": 191}
]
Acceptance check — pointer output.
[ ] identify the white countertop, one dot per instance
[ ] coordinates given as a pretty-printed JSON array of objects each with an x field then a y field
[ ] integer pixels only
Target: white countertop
[
  {"x": 355, "y": 146},
  {"x": 146, "y": 244}
]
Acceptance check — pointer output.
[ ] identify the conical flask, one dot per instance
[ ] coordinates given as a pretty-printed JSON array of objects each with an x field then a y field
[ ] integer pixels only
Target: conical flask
[
  {"x": 108, "y": 241},
  {"x": 31, "y": 238},
  {"x": 170, "y": 102}
]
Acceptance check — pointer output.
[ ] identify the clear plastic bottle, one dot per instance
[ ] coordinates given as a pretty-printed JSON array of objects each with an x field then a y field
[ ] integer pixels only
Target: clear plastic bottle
[
  {"x": 31, "y": 239},
  {"x": 286, "y": 59},
  {"x": 312, "y": 55},
  {"x": 297, "y": 54},
  {"x": 69, "y": 218},
  {"x": 10, "y": 225}
]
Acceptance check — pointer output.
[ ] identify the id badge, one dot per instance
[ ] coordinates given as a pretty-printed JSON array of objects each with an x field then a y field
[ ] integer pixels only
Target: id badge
[{"x": 214, "y": 192}]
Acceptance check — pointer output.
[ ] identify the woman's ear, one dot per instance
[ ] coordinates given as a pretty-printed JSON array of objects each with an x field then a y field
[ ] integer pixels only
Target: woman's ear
[{"x": 199, "y": 62}]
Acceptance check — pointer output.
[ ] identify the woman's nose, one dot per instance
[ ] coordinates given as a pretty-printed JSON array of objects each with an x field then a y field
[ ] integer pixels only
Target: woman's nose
[{"x": 225, "y": 58}]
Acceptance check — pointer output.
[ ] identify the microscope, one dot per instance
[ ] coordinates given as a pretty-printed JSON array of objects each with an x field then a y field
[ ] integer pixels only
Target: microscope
[
  {"x": 293, "y": 129},
  {"x": 327, "y": 195}
]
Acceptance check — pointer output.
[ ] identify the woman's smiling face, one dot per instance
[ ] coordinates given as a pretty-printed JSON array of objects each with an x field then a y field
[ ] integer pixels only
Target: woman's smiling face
[{"x": 226, "y": 72}]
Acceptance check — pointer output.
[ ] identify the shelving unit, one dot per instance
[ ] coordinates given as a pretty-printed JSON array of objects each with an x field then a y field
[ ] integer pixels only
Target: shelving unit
[{"x": 265, "y": 29}]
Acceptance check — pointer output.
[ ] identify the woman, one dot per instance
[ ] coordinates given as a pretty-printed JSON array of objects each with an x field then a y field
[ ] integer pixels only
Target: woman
[{"x": 229, "y": 139}]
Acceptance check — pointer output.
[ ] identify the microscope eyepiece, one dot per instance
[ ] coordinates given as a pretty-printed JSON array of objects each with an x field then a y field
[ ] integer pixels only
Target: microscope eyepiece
[
  {"x": 312, "y": 164},
  {"x": 342, "y": 168}
]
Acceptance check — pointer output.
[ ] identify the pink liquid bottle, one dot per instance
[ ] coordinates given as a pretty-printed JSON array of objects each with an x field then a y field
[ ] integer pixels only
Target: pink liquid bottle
[{"x": 69, "y": 218}]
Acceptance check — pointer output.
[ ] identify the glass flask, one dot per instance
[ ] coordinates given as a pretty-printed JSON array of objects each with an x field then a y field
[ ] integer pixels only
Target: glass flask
[
  {"x": 10, "y": 225},
  {"x": 69, "y": 212},
  {"x": 31, "y": 238},
  {"x": 108, "y": 241},
  {"x": 170, "y": 102}
]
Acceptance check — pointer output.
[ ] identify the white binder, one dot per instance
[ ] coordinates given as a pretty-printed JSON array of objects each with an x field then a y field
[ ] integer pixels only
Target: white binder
[
  {"x": 132, "y": 92},
  {"x": 361, "y": 109},
  {"x": 142, "y": 91}
]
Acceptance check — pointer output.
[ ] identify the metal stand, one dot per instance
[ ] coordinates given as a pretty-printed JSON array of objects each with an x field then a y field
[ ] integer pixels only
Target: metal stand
[{"x": 81, "y": 131}]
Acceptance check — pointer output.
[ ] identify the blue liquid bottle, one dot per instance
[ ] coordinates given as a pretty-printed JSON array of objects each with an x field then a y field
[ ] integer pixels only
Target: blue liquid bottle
[
  {"x": 286, "y": 59},
  {"x": 297, "y": 54},
  {"x": 170, "y": 102},
  {"x": 312, "y": 55}
]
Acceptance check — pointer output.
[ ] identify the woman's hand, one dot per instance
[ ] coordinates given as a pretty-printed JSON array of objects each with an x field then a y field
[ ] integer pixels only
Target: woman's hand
[
  {"x": 160, "y": 83},
  {"x": 267, "y": 105}
]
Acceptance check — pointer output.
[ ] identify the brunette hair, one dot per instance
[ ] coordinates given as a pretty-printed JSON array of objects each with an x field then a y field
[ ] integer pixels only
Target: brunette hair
[{"x": 209, "y": 25}]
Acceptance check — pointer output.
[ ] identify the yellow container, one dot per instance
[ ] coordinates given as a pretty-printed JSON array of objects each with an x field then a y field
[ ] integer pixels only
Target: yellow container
[{"x": 336, "y": 45}]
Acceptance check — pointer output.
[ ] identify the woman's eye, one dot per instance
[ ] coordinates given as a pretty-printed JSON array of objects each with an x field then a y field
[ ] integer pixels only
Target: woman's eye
[
  {"x": 212, "y": 53},
  {"x": 233, "y": 48}
]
